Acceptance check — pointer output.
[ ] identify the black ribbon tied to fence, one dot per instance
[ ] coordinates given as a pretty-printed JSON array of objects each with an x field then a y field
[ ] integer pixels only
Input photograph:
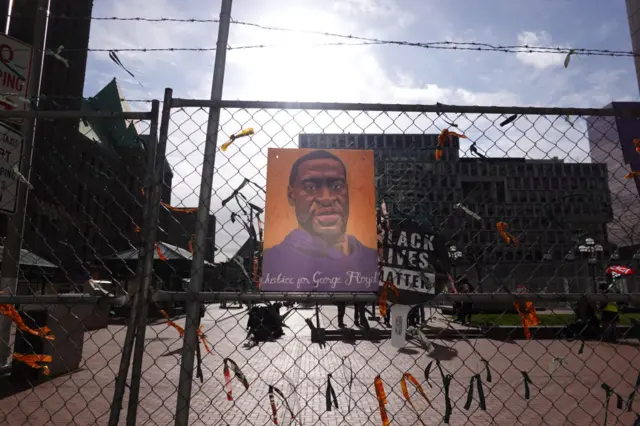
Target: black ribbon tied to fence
[
  {"x": 527, "y": 382},
  {"x": 446, "y": 383},
  {"x": 609, "y": 392},
  {"x": 632, "y": 395},
  {"x": 478, "y": 381},
  {"x": 330, "y": 394}
]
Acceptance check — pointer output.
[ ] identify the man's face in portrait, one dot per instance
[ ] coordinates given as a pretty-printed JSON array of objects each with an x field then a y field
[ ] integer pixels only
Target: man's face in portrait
[{"x": 320, "y": 197}]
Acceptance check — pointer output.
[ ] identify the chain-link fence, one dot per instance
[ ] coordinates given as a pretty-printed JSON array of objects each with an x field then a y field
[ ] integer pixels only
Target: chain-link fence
[{"x": 535, "y": 200}]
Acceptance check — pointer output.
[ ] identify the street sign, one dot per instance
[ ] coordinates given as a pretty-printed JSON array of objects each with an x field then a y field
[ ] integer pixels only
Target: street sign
[
  {"x": 15, "y": 69},
  {"x": 10, "y": 159}
]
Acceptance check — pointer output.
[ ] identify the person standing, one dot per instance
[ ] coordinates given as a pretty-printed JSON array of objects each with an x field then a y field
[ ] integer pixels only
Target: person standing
[{"x": 466, "y": 308}]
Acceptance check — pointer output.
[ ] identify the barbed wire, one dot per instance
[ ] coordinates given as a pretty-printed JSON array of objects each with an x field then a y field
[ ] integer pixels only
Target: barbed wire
[{"x": 442, "y": 45}]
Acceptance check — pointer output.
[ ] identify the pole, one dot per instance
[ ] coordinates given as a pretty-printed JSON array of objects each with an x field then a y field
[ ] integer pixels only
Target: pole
[
  {"x": 125, "y": 359},
  {"x": 15, "y": 223},
  {"x": 197, "y": 264},
  {"x": 157, "y": 149}
]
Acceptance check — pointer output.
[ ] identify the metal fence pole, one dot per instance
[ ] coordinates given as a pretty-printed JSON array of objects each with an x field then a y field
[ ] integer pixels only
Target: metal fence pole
[
  {"x": 15, "y": 224},
  {"x": 150, "y": 227},
  {"x": 139, "y": 298},
  {"x": 197, "y": 265}
]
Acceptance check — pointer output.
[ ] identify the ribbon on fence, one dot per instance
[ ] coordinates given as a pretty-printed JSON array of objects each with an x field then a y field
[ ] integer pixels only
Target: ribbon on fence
[
  {"x": 227, "y": 377},
  {"x": 232, "y": 138},
  {"x": 446, "y": 136},
  {"x": 528, "y": 315},
  {"x": 160, "y": 253},
  {"x": 631, "y": 175},
  {"x": 446, "y": 382},
  {"x": 349, "y": 379},
  {"x": 382, "y": 400},
  {"x": 179, "y": 209},
  {"x": 609, "y": 392},
  {"x": 478, "y": 380},
  {"x": 508, "y": 237},
  {"x": 199, "y": 374},
  {"x": 274, "y": 390},
  {"x": 554, "y": 364},
  {"x": 330, "y": 394},
  {"x": 10, "y": 312},
  {"x": 636, "y": 143},
  {"x": 486, "y": 366},
  {"x": 632, "y": 395},
  {"x": 35, "y": 361},
  {"x": 191, "y": 243},
  {"x": 171, "y": 323},
  {"x": 203, "y": 340},
  {"x": 382, "y": 305},
  {"x": 405, "y": 392},
  {"x": 527, "y": 381}
]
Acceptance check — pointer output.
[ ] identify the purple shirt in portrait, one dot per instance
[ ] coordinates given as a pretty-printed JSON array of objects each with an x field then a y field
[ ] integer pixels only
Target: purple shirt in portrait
[{"x": 302, "y": 262}]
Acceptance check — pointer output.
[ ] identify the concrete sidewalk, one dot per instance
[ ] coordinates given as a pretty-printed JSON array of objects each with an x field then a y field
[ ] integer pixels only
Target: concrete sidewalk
[{"x": 299, "y": 369}]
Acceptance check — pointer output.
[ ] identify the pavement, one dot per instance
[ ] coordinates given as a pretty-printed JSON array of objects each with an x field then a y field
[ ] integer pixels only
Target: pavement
[{"x": 571, "y": 395}]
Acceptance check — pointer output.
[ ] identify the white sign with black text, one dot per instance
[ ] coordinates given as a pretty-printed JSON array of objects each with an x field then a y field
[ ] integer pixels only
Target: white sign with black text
[
  {"x": 10, "y": 159},
  {"x": 15, "y": 70}
]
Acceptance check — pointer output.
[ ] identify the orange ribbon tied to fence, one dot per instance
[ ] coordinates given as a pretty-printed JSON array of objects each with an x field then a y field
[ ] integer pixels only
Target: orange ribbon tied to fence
[
  {"x": 382, "y": 400},
  {"x": 502, "y": 228},
  {"x": 446, "y": 136},
  {"x": 631, "y": 175},
  {"x": 636, "y": 143},
  {"x": 405, "y": 392},
  {"x": 382, "y": 307},
  {"x": 201, "y": 335},
  {"x": 35, "y": 361},
  {"x": 528, "y": 315},
  {"x": 10, "y": 312},
  {"x": 171, "y": 323},
  {"x": 179, "y": 209}
]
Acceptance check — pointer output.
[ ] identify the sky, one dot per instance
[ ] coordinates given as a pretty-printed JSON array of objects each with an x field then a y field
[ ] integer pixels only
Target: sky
[{"x": 298, "y": 69}]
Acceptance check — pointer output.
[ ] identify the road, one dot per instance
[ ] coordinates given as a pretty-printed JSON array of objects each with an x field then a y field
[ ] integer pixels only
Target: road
[{"x": 570, "y": 395}]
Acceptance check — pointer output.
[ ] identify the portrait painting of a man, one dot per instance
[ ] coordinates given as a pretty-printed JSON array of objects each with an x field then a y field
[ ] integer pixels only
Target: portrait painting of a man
[{"x": 310, "y": 247}]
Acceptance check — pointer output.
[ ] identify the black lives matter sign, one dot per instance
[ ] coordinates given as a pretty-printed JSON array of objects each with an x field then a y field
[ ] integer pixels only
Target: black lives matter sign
[{"x": 415, "y": 260}]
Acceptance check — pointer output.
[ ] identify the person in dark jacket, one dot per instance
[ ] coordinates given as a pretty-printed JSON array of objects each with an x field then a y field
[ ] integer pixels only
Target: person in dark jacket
[{"x": 466, "y": 308}]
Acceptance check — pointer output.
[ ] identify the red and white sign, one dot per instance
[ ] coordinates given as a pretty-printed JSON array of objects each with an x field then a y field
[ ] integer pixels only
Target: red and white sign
[{"x": 15, "y": 70}]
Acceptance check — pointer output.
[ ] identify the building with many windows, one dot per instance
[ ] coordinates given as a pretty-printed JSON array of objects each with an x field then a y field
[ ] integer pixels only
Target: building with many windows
[{"x": 544, "y": 202}]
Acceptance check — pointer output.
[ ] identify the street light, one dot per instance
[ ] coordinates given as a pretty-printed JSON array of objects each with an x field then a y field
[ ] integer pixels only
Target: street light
[
  {"x": 592, "y": 249},
  {"x": 454, "y": 255}
]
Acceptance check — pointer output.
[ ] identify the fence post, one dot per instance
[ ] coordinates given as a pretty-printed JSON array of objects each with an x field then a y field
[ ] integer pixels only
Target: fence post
[
  {"x": 149, "y": 229},
  {"x": 15, "y": 224},
  {"x": 139, "y": 299},
  {"x": 192, "y": 320}
]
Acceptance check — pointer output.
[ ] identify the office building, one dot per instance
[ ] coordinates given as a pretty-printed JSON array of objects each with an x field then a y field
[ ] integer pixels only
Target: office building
[
  {"x": 611, "y": 143},
  {"x": 543, "y": 201}
]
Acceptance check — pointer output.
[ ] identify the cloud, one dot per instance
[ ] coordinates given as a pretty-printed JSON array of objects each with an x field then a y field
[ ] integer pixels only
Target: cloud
[{"x": 538, "y": 60}]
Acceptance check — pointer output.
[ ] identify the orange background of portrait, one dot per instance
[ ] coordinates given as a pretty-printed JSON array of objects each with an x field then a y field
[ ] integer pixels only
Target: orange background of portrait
[{"x": 280, "y": 218}]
